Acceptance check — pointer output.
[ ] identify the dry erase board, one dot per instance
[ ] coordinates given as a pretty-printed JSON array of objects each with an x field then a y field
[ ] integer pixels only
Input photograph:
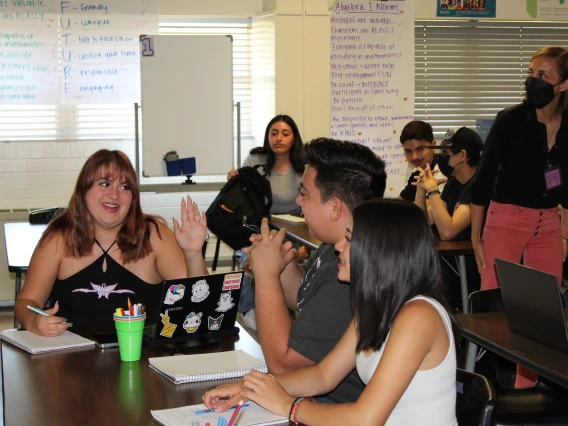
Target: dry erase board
[{"x": 187, "y": 102}]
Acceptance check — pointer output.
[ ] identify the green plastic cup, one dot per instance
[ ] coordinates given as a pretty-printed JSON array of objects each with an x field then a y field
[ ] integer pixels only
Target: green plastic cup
[{"x": 129, "y": 331}]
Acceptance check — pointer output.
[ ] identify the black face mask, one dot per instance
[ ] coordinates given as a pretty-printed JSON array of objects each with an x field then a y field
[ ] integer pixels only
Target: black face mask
[
  {"x": 539, "y": 92},
  {"x": 444, "y": 165}
]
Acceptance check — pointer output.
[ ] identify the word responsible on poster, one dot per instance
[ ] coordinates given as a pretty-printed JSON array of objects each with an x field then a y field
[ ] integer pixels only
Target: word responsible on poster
[{"x": 372, "y": 79}]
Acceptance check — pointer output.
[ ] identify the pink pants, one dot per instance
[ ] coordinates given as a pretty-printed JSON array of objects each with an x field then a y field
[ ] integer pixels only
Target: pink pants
[{"x": 511, "y": 233}]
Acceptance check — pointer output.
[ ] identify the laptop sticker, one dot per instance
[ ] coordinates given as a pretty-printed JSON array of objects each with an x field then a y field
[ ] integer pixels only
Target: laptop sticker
[
  {"x": 175, "y": 293},
  {"x": 225, "y": 302},
  {"x": 214, "y": 324},
  {"x": 169, "y": 328},
  {"x": 232, "y": 282},
  {"x": 199, "y": 291},
  {"x": 192, "y": 322}
]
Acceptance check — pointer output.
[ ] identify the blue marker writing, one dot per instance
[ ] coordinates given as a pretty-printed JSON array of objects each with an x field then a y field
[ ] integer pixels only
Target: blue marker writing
[{"x": 212, "y": 410}]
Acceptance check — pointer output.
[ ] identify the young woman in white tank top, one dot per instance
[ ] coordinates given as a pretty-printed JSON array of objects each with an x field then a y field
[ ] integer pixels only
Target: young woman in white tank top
[{"x": 400, "y": 340}]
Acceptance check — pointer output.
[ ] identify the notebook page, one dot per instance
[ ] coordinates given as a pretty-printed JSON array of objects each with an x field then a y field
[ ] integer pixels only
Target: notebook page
[
  {"x": 201, "y": 367},
  {"x": 35, "y": 344},
  {"x": 248, "y": 416}
]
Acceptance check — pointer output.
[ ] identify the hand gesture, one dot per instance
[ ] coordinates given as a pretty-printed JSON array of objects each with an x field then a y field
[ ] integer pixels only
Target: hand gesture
[
  {"x": 231, "y": 173},
  {"x": 266, "y": 392},
  {"x": 426, "y": 179},
  {"x": 217, "y": 398},
  {"x": 191, "y": 234},
  {"x": 49, "y": 326},
  {"x": 268, "y": 254}
]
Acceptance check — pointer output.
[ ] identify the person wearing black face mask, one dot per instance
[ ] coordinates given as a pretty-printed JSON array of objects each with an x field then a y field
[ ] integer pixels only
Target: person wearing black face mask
[
  {"x": 524, "y": 172},
  {"x": 450, "y": 209}
]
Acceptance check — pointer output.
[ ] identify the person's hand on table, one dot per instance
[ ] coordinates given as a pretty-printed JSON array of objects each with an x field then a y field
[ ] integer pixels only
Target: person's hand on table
[
  {"x": 266, "y": 392},
  {"x": 231, "y": 173},
  {"x": 190, "y": 236},
  {"x": 49, "y": 326},
  {"x": 223, "y": 397}
]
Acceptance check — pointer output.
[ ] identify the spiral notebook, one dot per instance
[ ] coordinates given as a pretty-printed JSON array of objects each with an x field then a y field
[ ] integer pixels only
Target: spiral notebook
[
  {"x": 35, "y": 344},
  {"x": 203, "y": 367}
]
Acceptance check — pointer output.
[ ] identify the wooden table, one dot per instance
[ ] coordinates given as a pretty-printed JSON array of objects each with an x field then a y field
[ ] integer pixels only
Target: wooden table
[
  {"x": 300, "y": 233},
  {"x": 21, "y": 239},
  {"x": 490, "y": 330},
  {"x": 93, "y": 387}
]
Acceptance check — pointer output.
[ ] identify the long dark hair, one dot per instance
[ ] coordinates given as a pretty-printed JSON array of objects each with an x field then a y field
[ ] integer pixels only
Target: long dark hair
[
  {"x": 76, "y": 225},
  {"x": 393, "y": 259},
  {"x": 295, "y": 150}
]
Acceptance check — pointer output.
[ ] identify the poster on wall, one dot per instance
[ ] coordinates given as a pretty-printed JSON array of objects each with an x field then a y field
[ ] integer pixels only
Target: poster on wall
[
  {"x": 372, "y": 79},
  {"x": 548, "y": 9},
  {"x": 466, "y": 8}
]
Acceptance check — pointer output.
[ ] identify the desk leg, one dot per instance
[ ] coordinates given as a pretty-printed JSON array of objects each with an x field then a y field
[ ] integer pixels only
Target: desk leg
[
  {"x": 463, "y": 281},
  {"x": 18, "y": 288},
  {"x": 471, "y": 355}
]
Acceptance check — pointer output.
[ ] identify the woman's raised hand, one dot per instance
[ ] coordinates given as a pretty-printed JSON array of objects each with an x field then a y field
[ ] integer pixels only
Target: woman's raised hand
[{"x": 190, "y": 235}]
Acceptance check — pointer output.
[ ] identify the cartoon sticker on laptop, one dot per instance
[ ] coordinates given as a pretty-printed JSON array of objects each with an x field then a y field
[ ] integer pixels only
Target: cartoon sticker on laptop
[
  {"x": 169, "y": 328},
  {"x": 175, "y": 293},
  {"x": 214, "y": 324},
  {"x": 232, "y": 282},
  {"x": 225, "y": 302},
  {"x": 199, "y": 291},
  {"x": 192, "y": 322}
]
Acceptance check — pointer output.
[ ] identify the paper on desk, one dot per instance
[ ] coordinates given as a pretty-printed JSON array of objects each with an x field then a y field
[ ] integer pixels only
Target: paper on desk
[
  {"x": 35, "y": 344},
  {"x": 249, "y": 416},
  {"x": 289, "y": 218}
]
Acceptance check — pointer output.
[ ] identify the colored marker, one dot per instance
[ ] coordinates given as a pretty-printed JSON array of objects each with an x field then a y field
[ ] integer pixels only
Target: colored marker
[
  {"x": 222, "y": 421},
  {"x": 213, "y": 410},
  {"x": 236, "y": 413},
  {"x": 45, "y": 314}
]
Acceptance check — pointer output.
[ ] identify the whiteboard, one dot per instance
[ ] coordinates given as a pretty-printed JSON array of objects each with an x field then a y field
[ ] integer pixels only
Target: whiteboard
[{"x": 187, "y": 102}]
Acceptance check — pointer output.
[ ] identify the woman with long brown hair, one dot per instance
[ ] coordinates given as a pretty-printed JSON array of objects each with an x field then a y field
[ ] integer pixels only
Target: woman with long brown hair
[{"x": 103, "y": 250}]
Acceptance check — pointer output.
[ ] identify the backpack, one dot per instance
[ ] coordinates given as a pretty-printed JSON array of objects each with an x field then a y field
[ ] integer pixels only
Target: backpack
[{"x": 246, "y": 198}]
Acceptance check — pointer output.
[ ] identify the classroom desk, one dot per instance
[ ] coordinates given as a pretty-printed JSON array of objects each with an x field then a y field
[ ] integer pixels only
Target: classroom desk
[
  {"x": 300, "y": 233},
  {"x": 93, "y": 387},
  {"x": 21, "y": 239},
  {"x": 490, "y": 330}
]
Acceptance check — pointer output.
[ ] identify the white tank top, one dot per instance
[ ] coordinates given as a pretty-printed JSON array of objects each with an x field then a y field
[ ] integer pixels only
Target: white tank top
[{"x": 430, "y": 399}]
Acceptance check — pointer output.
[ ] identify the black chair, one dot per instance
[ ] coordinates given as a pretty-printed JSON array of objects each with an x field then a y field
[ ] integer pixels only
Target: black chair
[
  {"x": 475, "y": 399},
  {"x": 542, "y": 404},
  {"x": 235, "y": 258}
]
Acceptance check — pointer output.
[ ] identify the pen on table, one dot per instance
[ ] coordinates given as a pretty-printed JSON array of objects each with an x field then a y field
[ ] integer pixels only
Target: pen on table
[
  {"x": 236, "y": 413},
  {"x": 45, "y": 314},
  {"x": 213, "y": 410}
]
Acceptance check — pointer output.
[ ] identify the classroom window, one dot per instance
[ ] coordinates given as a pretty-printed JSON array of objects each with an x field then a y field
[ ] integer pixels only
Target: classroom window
[
  {"x": 467, "y": 71},
  {"x": 115, "y": 122}
]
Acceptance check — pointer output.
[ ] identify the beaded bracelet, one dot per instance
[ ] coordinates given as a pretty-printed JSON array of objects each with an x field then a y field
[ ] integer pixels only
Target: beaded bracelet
[{"x": 294, "y": 408}]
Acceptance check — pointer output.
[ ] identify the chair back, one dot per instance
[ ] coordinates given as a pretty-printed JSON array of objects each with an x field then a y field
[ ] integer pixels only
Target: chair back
[
  {"x": 42, "y": 216},
  {"x": 475, "y": 399},
  {"x": 486, "y": 301}
]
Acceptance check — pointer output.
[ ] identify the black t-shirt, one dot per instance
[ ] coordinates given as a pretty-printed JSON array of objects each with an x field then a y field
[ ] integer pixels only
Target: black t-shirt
[{"x": 454, "y": 195}]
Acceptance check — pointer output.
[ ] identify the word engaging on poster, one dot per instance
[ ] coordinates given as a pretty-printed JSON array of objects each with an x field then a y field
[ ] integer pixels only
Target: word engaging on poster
[{"x": 372, "y": 79}]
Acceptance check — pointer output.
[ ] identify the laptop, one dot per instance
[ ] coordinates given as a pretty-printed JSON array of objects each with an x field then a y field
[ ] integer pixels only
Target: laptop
[
  {"x": 195, "y": 308},
  {"x": 533, "y": 304}
]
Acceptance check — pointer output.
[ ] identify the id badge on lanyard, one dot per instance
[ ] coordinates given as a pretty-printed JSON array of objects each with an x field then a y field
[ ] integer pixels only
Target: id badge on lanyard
[{"x": 553, "y": 177}]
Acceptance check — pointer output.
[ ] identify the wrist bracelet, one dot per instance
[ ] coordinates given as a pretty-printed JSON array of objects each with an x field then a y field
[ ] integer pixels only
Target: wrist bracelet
[
  {"x": 294, "y": 408},
  {"x": 436, "y": 191}
]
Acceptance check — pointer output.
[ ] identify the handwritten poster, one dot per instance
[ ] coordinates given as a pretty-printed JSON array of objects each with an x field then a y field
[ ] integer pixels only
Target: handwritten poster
[
  {"x": 28, "y": 52},
  {"x": 372, "y": 78},
  {"x": 99, "y": 49}
]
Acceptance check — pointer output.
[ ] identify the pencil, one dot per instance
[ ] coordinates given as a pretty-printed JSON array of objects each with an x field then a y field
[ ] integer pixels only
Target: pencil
[{"x": 236, "y": 413}]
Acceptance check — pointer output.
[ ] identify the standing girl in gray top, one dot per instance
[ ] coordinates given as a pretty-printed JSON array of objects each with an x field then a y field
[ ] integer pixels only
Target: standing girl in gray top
[{"x": 279, "y": 158}]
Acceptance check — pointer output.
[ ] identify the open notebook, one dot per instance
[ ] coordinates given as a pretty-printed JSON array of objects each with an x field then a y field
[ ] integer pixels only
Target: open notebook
[
  {"x": 35, "y": 344},
  {"x": 203, "y": 367},
  {"x": 248, "y": 416}
]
